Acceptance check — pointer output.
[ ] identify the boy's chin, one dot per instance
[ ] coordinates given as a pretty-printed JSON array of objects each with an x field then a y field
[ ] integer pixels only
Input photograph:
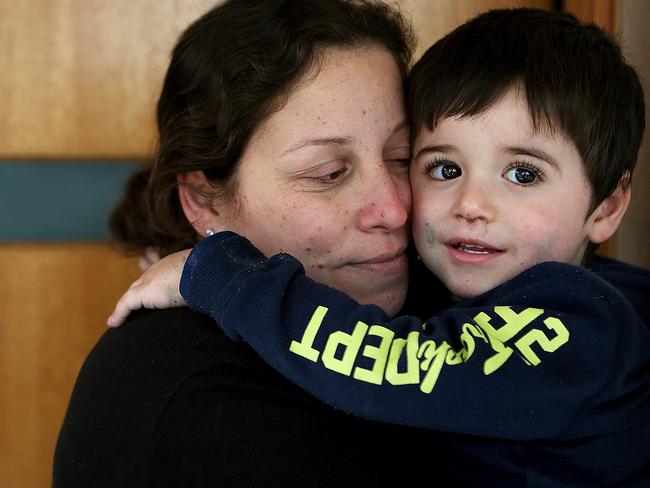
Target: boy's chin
[{"x": 472, "y": 286}]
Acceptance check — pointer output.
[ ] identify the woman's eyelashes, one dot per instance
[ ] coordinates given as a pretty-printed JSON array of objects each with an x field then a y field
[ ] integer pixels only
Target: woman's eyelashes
[
  {"x": 400, "y": 159},
  {"x": 403, "y": 162},
  {"x": 325, "y": 175},
  {"x": 332, "y": 177},
  {"x": 520, "y": 173}
]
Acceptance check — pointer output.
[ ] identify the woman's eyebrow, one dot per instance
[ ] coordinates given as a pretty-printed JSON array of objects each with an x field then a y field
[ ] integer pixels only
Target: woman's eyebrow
[
  {"x": 535, "y": 152},
  {"x": 319, "y": 141}
]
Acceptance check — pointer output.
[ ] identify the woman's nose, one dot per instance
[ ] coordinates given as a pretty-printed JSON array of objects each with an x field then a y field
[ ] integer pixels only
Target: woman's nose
[{"x": 386, "y": 200}]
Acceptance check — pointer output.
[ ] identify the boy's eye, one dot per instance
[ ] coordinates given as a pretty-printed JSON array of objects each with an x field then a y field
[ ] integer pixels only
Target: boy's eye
[
  {"x": 439, "y": 170},
  {"x": 523, "y": 175}
]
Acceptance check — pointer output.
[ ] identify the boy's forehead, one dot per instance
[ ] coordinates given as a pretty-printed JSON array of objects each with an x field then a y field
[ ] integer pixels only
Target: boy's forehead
[
  {"x": 503, "y": 131},
  {"x": 507, "y": 119}
]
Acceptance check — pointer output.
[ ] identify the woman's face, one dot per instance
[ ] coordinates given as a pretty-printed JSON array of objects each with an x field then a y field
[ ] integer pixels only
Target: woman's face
[{"x": 326, "y": 178}]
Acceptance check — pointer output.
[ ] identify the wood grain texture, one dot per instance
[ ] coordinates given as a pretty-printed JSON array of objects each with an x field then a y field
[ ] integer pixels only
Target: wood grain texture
[
  {"x": 601, "y": 12},
  {"x": 80, "y": 77},
  {"x": 54, "y": 300},
  {"x": 432, "y": 20}
]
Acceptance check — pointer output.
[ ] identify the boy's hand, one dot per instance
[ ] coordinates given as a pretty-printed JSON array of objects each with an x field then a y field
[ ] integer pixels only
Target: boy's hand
[{"x": 156, "y": 288}]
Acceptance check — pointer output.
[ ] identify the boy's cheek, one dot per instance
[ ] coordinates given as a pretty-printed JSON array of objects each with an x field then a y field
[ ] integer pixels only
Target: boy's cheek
[{"x": 424, "y": 236}]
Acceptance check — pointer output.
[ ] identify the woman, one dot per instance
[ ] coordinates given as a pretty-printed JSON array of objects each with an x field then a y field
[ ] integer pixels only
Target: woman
[{"x": 284, "y": 121}]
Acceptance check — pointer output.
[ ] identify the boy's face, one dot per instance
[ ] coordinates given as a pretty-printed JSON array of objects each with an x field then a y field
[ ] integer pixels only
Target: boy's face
[{"x": 491, "y": 198}]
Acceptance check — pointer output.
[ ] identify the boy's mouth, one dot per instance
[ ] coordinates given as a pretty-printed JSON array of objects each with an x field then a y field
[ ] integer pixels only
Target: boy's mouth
[{"x": 474, "y": 248}]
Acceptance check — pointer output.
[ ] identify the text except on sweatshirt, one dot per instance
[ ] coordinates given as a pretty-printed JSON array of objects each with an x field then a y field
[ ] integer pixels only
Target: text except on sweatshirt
[{"x": 427, "y": 356}]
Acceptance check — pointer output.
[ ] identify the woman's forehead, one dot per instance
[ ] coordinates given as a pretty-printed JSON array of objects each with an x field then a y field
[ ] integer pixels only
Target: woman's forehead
[{"x": 352, "y": 91}]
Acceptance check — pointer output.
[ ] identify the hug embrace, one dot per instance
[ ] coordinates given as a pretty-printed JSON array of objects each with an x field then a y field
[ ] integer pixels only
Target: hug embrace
[{"x": 496, "y": 350}]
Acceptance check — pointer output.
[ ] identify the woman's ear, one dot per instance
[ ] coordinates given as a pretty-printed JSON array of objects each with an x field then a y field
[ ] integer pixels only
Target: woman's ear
[
  {"x": 605, "y": 219},
  {"x": 198, "y": 200}
]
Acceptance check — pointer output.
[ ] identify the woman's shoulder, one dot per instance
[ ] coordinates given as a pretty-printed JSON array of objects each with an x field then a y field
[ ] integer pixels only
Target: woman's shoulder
[
  {"x": 167, "y": 338},
  {"x": 123, "y": 389}
]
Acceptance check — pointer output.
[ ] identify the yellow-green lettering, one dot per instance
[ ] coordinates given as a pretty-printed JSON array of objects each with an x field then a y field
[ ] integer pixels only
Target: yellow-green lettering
[
  {"x": 412, "y": 374},
  {"x": 305, "y": 347},
  {"x": 537, "y": 336},
  {"x": 434, "y": 361},
  {"x": 379, "y": 353},
  {"x": 351, "y": 344}
]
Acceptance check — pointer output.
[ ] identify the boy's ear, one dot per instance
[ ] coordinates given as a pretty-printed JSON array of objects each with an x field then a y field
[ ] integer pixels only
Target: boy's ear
[
  {"x": 605, "y": 219},
  {"x": 198, "y": 202}
]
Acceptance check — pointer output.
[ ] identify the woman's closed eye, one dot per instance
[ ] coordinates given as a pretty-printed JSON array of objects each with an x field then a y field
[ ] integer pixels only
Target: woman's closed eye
[
  {"x": 332, "y": 176},
  {"x": 324, "y": 175}
]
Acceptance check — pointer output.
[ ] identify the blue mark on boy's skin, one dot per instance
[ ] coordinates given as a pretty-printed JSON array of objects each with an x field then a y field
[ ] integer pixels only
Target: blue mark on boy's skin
[{"x": 430, "y": 233}]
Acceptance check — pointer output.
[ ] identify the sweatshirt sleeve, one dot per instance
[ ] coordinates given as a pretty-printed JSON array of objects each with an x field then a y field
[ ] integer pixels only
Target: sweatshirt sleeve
[{"x": 524, "y": 361}]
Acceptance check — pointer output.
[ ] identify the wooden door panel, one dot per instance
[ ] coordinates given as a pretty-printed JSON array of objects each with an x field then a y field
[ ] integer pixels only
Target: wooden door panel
[{"x": 54, "y": 300}]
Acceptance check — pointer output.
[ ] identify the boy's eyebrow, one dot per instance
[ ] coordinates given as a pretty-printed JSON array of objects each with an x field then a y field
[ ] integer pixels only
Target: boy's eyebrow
[
  {"x": 434, "y": 148},
  {"x": 535, "y": 152}
]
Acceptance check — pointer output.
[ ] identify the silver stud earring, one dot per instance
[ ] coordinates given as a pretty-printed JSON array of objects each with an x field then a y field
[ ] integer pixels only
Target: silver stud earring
[{"x": 209, "y": 232}]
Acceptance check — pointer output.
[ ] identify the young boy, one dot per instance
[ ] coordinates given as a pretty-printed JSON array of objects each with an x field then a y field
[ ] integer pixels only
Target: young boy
[{"x": 526, "y": 126}]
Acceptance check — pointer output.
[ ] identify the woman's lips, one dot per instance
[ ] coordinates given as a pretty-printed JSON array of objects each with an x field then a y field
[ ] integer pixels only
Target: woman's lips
[{"x": 384, "y": 265}]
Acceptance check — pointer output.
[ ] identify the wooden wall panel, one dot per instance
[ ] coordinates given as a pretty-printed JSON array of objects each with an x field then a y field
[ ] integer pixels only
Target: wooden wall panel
[
  {"x": 601, "y": 12},
  {"x": 432, "y": 20},
  {"x": 80, "y": 77},
  {"x": 54, "y": 300}
]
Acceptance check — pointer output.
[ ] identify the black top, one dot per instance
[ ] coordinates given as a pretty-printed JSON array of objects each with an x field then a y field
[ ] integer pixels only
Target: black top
[{"x": 167, "y": 400}]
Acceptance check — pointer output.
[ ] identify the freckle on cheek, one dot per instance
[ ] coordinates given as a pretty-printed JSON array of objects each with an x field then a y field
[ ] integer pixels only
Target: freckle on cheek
[{"x": 321, "y": 265}]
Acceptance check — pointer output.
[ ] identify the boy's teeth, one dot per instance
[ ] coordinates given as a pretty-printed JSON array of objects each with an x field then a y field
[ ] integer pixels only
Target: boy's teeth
[{"x": 473, "y": 249}]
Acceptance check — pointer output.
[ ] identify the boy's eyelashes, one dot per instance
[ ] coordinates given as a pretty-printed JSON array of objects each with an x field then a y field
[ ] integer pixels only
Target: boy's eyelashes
[
  {"x": 442, "y": 169},
  {"x": 521, "y": 173}
]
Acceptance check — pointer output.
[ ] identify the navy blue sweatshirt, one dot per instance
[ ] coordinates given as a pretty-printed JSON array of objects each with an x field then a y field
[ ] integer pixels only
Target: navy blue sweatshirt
[{"x": 555, "y": 361}]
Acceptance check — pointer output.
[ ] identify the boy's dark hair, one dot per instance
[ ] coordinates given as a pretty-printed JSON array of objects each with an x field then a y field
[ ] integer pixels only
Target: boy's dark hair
[
  {"x": 574, "y": 76},
  {"x": 230, "y": 70}
]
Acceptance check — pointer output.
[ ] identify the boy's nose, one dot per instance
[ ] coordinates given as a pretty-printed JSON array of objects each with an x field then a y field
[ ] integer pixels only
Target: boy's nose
[
  {"x": 386, "y": 201},
  {"x": 474, "y": 204}
]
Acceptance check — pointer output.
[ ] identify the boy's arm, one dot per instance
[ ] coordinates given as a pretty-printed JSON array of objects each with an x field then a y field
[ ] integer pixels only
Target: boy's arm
[{"x": 521, "y": 362}]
